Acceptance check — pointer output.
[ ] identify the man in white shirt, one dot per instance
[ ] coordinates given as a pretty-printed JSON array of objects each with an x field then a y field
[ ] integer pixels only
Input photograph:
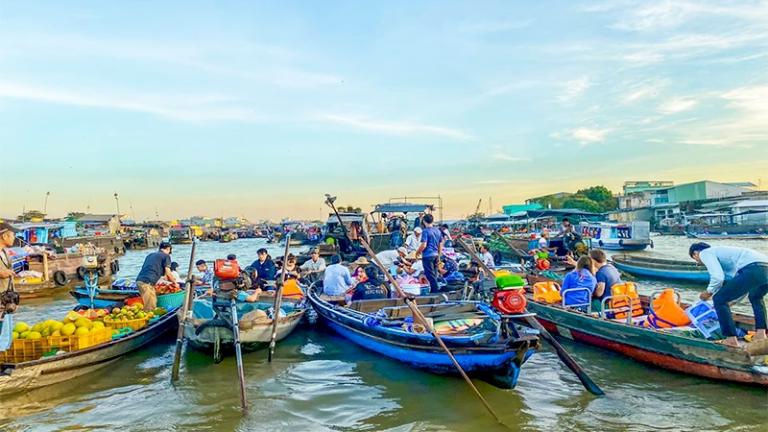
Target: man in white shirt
[
  {"x": 313, "y": 268},
  {"x": 337, "y": 279},
  {"x": 487, "y": 257},
  {"x": 414, "y": 240},
  {"x": 748, "y": 273},
  {"x": 388, "y": 257}
]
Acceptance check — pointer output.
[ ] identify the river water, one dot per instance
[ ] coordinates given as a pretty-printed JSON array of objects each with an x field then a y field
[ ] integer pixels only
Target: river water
[{"x": 320, "y": 382}]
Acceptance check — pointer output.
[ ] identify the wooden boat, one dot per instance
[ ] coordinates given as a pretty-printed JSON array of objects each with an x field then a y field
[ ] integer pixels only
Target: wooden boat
[
  {"x": 485, "y": 348},
  {"x": 203, "y": 333},
  {"x": 661, "y": 268},
  {"x": 726, "y": 236},
  {"x": 104, "y": 298},
  {"x": 667, "y": 349},
  {"x": 18, "y": 377}
]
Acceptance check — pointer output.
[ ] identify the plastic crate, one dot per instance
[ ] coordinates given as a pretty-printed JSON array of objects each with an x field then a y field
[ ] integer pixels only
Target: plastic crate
[
  {"x": 74, "y": 342},
  {"x": 703, "y": 316},
  {"x": 171, "y": 301},
  {"x": 135, "y": 324},
  {"x": 23, "y": 350}
]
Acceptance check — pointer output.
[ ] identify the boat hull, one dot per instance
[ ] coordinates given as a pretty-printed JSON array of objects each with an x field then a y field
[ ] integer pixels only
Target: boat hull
[
  {"x": 668, "y": 351},
  {"x": 668, "y": 272},
  {"x": 498, "y": 364},
  {"x": 254, "y": 338},
  {"x": 18, "y": 377}
]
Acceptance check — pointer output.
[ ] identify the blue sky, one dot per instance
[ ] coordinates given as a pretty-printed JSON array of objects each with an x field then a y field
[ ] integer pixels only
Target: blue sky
[{"x": 259, "y": 108}]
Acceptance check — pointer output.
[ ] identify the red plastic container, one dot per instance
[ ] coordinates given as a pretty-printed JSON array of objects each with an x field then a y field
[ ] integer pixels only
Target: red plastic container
[{"x": 226, "y": 269}]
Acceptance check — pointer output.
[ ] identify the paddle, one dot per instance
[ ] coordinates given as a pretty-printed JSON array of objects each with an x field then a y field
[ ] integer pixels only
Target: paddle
[
  {"x": 238, "y": 352},
  {"x": 190, "y": 286},
  {"x": 564, "y": 356},
  {"x": 278, "y": 300},
  {"x": 416, "y": 312}
]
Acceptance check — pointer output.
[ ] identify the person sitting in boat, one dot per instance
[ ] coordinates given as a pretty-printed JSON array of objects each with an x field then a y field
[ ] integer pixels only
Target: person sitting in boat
[
  {"x": 337, "y": 279},
  {"x": 175, "y": 272},
  {"x": 207, "y": 273},
  {"x": 357, "y": 269},
  {"x": 580, "y": 277},
  {"x": 313, "y": 268},
  {"x": 290, "y": 268},
  {"x": 447, "y": 237},
  {"x": 606, "y": 276},
  {"x": 747, "y": 271},
  {"x": 372, "y": 288},
  {"x": 263, "y": 268},
  {"x": 388, "y": 257},
  {"x": 394, "y": 226},
  {"x": 449, "y": 271},
  {"x": 487, "y": 257},
  {"x": 413, "y": 241}
]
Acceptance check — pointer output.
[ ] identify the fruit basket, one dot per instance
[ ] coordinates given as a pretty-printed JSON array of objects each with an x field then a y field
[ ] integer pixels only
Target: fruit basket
[
  {"x": 136, "y": 324},
  {"x": 78, "y": 342},
  {"x": 23, "y": 350},
  {"x": 171, "y": 301}
]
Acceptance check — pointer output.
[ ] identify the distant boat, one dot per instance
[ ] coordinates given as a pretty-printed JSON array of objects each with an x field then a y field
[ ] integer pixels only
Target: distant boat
[
  {"x": 661, "y": 268},
  {"x": 726, "y": 236},
  {"x": 635, "y": 236}
]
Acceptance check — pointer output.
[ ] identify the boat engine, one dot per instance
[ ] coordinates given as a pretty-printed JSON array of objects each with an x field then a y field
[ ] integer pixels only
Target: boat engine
[{"x": 509, "y": 301}]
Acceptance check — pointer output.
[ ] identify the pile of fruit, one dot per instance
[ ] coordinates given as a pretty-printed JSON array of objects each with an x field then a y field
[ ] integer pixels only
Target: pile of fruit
[
  {"x": 129, "y": 313},
  {"x": 74, "y": 324},
  {"x": 165, "y": 287}
]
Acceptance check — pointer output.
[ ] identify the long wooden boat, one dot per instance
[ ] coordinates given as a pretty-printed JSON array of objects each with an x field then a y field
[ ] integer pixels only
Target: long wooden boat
[
  {"x": 661, "y": 268},
  {"x": 726, "y": 236},
  {"x": 104, "y": 298},
  {"x": 491, "y": 350},
  {"x": 667, "y": 349},
  {"x": 18, "y": 377},
  {"x": 202, "y": 333}
]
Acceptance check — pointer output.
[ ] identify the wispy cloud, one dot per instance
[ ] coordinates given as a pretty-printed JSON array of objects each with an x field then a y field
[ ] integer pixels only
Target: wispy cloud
[
  {"x": 185, "y": 107},
  {"x": 506, "y": 157},
  {"x": 574, "y": 88},
  {"x": 641, "y": 92},
  {"x": 583, "y": 135},
  {"x": 677, "y": 105},
  {"x": 394, "y": 128}
]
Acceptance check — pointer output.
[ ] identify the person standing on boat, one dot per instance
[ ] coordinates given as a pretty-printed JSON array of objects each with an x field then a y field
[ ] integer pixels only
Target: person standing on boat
[
  {"x": 156, "y": 265},
  {"x": 395, "y": 239},
  {"x": 7, "y": 238},
  {"x": 413, "y": 241},
  {"x": 431, "y": 248},
  {"x": 747, "y": 271},
  {"x": 606, "y": 275}
]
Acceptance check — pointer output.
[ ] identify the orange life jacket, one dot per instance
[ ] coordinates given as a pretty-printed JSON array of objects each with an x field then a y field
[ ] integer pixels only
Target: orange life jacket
[
  {"x": 665, "y": 312},
  {"x": 547, "y": 292},
  {"x": 291, "y": 289},
  {"x": 619, "y": 294}
]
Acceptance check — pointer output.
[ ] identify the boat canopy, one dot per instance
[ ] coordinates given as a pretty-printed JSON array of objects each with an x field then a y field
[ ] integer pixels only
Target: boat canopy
[{"x": 402, "y": 208}]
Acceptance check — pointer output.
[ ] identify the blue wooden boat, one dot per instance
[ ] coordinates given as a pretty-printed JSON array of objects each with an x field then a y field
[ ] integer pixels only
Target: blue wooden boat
[
  {"x": 104, "y": 298},
  {"x": 687, "y": 271},
  {"x": 485, "y": 346}
]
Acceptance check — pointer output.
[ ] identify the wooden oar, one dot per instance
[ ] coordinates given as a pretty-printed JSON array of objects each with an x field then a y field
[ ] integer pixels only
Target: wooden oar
[
  {"x": 190, "y": 287},
  {"x": 278, "y": 300},
  {"x": 418, "y": 316},
  {"x": 238, "y": 352},
  {"x": 564, "y": 356}
]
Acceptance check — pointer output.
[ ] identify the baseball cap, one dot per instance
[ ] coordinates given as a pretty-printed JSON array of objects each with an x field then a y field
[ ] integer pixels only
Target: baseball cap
[{"x": 5, "y": 226}]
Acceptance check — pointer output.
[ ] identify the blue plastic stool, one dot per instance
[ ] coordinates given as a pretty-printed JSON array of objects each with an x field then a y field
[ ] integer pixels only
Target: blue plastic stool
[{"x": 704, "y": 318}]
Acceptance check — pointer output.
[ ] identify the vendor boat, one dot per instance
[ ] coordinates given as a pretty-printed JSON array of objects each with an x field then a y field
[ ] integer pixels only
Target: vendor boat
[
  {"x": 687, "y": 271},
  {"x": 676, "y": 348},
  {"x": 209, "y": 330},
  {"x": 27, "y": 375},
  {"x": 486, "y": 346}
]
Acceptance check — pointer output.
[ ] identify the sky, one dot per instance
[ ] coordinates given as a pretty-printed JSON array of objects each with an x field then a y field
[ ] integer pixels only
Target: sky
[{"x": 258, "y": 109}]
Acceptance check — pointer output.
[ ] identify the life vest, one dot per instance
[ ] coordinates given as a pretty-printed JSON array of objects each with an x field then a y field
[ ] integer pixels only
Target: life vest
[
  {"x": 291, "y": 288},
  {"x": 510, "y": 301},
  {"x": 547, "y": 292},
  {"x": 619, "y": 294},
  {"x": 665, "y": 312}
]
